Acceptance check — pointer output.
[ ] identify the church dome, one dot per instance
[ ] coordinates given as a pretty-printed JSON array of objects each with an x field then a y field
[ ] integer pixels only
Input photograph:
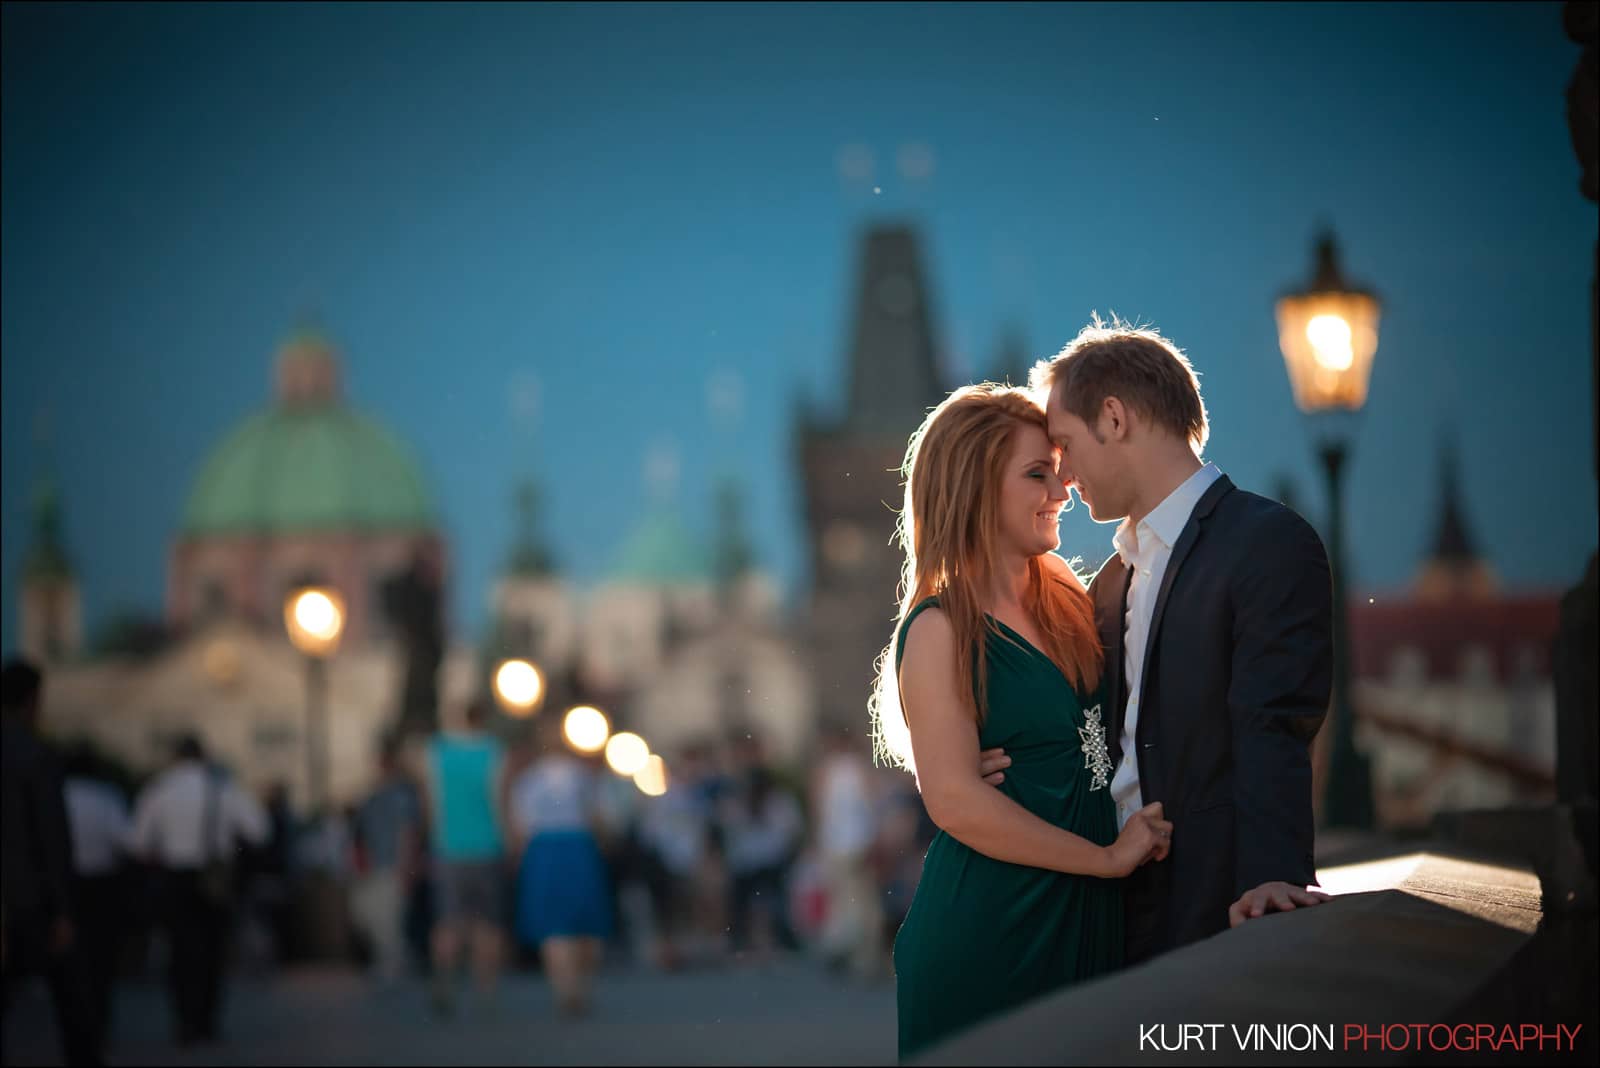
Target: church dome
[
  {"x": 660, "y": 552},
  {"x": 309, "y": 463}
]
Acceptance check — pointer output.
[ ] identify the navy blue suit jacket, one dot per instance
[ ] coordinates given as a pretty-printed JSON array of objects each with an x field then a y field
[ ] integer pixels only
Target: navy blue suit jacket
[{"x": 1236, "y": 682}]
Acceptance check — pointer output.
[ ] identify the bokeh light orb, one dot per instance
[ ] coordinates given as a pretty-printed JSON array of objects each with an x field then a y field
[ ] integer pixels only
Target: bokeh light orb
[
  {"x": 652, "y": 778},
  {"x": 586, "y": 728},
  {"x": 627, "y": 753},
  {"x": 519, "y": 686},
  {"x": 314, "y": 618}
]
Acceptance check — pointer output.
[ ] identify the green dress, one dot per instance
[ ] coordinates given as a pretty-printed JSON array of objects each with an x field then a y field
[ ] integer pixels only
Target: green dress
[{"x": 984, "y": 936}]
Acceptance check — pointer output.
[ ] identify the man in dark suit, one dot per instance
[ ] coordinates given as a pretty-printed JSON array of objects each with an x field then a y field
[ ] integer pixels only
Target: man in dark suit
[
  {"x": 1216, "y": 618},
  {"x": 37, "y": 933}
]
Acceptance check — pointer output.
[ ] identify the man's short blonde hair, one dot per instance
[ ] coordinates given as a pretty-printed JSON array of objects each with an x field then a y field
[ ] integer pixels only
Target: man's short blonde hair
[{"x": 1138, "y": 366}]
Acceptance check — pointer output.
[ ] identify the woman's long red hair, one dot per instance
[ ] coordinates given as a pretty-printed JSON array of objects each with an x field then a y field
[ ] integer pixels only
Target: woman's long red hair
[{"x": 949, "y": 531}]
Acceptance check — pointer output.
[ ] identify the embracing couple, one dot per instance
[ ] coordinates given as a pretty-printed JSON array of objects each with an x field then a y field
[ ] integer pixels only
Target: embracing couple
[{"x": 1115, "y": 771}]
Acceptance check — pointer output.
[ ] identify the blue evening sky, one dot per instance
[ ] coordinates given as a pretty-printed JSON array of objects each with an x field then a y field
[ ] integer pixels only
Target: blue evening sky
[{"x": 541, "y": 233}]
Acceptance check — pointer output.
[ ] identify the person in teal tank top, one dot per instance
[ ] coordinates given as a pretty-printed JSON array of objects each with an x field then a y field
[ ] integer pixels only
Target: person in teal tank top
[
  {"x": 464, "y": 803},
  {"x": 1020, "y": 891},
  {"x": 464, "y": 770}
]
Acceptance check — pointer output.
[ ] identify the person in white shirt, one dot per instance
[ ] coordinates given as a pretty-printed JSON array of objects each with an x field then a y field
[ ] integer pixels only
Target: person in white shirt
[
  {"x": 844, "y": 820},
  {"x": 564, "y": 900},
  {"x": 189, "y": 824},
  {"x": 101, "y": 829},
  {"x": 763, "y": 826}
]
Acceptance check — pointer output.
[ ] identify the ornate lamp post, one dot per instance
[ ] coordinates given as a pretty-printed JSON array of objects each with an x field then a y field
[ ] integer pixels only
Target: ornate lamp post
[
  {"x": 314, "y": 617},
  {"x": 1329, "y": 333}
]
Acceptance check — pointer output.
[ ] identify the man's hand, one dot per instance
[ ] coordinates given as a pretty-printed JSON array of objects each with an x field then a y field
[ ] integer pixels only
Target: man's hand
[
  {"x": 990, "y": 763},
  {"x": 1272, "y": 897},
  {"x": 1145, "y": 837}
]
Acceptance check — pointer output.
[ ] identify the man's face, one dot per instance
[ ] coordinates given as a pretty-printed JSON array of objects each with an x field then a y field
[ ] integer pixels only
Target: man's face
[{"x": 1088, "y": 461}]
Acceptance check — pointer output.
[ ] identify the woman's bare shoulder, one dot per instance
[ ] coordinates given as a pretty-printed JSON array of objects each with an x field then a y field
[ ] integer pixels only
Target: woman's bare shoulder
[{"x": 929, "y": 634}]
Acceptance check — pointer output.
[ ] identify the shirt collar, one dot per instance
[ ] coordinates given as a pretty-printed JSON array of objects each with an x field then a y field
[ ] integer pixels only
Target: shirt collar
[
  {"x": 1172, "y": 515},
  {"x": 1125, "y": 541},
  {"x": 1166, "y": 521}
]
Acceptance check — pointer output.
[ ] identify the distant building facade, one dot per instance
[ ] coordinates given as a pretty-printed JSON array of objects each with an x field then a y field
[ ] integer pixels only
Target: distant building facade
[
  {"x": 682, "y": 642},
  {"x": 308, "y": 491},
  {"x": 1454, "y": 690},
  {"x": 684, "y": 639}
]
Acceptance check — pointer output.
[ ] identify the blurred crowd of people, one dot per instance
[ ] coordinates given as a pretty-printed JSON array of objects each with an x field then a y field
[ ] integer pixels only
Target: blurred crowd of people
[{"x": 469, "y": 850}]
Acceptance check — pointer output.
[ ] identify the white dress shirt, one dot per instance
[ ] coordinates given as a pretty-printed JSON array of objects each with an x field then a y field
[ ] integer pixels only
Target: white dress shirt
[
  {"x": 99, "y": 819},
  {"x": 556, "y": 793},
  {"x": 1145, "y": 550},
  {"x": 169, "y": 821},
  {"x": 760, "y": 842}
]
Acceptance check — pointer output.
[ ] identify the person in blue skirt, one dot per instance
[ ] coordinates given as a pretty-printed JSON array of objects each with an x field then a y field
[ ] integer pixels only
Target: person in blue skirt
[{"x": 563, "y": 893}]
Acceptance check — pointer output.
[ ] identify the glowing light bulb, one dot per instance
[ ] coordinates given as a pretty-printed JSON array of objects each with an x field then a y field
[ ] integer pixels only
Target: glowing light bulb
[
  {"x": 1330, "y": 342},
  {"x": 317, "y": 615}
]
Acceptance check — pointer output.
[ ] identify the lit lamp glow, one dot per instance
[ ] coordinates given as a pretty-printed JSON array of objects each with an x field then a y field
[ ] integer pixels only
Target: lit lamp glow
[
  {"x": 315, "y": 619},
  {"x": 627, "y": 753},
  {"x": 652, "y": 778},
  {"x": 586, "y": 728},
  {"x": 519, "y": 687},
  {"x": 1330, "y": 342},
  {"x": 1328, "y": 333}
]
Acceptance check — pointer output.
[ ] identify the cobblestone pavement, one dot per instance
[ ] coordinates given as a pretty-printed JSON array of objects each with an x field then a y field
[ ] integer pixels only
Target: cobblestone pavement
[{"x": 787, "y": 1012}]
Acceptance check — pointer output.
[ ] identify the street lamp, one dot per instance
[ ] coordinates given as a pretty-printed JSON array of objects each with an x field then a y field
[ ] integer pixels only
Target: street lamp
[
  {"x": 519, "y": 687},
  {"x": 1329, "y": 333},
  {"x": 314, "y": 618}
]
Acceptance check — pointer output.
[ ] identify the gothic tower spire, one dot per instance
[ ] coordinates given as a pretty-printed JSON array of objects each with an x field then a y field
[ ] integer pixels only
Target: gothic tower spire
[
  {"x": 1454, "y": 567},
  {"x": 51, "y": 613},
  {"x": 894, "y": 374}
]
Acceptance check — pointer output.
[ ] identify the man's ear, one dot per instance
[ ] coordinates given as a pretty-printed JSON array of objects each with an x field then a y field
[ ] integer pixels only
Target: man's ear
[{"x": 1113, "y": 420}]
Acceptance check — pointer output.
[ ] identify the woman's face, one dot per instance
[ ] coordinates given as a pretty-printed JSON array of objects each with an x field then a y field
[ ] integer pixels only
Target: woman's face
[{"x": 1031, "y": 494}]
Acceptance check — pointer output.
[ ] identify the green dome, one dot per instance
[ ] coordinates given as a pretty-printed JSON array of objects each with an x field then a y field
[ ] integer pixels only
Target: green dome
[
  {"x": 660, "y": 552},
  {"x": 319, "y": 467}
]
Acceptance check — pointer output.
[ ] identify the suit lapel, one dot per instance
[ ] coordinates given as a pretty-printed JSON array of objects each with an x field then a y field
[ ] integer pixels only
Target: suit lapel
[
  {"x": 1180, "y": 552},
  {"x": 1111, "y": 612}
]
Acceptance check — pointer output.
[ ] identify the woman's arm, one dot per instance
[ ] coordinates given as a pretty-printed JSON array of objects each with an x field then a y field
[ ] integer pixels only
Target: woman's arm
[{"x": 944, "y": 740}]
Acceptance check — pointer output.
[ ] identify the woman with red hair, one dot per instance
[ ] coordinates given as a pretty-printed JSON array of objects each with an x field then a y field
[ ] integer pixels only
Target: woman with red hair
[{"x": 996, "y": 646}]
